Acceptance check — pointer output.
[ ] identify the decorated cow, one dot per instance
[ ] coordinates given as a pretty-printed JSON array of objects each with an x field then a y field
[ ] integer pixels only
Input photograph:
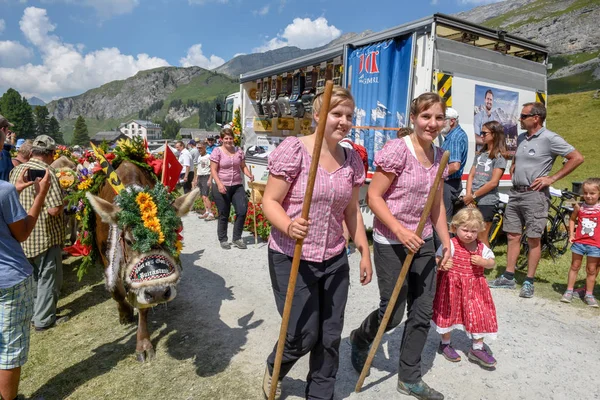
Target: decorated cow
[{"x": 138, "y": 235}]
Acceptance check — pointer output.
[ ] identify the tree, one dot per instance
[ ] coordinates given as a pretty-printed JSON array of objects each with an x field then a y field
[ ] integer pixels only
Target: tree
[
  {"x": 42, "y": 121},
  {"x": 54, "y": 130},
  {"x": 81, "y": 136},
  {"x": 17, "y": 110},
  {"x": 170, "y": 128}
]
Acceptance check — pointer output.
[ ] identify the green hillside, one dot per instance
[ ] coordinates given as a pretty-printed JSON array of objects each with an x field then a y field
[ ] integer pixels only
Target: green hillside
[
  {"x": 94, "y": 126},
  {"x": 206, "y": 86}
]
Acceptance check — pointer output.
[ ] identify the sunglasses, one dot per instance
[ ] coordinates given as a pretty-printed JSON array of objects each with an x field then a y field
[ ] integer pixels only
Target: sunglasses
[
  {"x": 485, "y": 133},
  {"x": 525, "y": 116}
]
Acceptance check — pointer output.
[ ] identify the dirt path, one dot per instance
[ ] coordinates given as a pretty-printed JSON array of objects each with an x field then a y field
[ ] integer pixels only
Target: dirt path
[{"x": 212, "y": 341}]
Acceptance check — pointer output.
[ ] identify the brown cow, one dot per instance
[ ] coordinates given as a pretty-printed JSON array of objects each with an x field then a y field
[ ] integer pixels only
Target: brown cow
[{"x": 122, "y": 263}]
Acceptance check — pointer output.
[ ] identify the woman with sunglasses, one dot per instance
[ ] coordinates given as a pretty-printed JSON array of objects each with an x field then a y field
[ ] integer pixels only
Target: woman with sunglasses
[{"x": 485, "y": 174}]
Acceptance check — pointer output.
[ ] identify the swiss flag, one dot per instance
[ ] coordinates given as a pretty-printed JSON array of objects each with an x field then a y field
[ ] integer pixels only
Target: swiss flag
[{"x": 171, "y": 169}]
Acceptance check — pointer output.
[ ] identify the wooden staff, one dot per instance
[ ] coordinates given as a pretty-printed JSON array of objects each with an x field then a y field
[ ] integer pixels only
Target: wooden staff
[
  {"x": 403, "y": 272},
  {"x": 314, "y": 165},
  {"x": 254, "y": 214}
]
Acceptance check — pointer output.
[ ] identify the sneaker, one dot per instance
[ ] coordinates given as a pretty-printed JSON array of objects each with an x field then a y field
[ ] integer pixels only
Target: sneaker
[
  {"x": 267, "y": 386},
  {"x": 482, "y": 358},
  {"x": 420, "y": 390},
  {"x": 526, "y": 290},
  {"x": 239, "y": 244},
  {"x": 359, "y": 354},
  {"x": 225, "y": 245},
  {"x": 567, "y": 297},
  {"x": 591, "y": 301},
  {"x": 448, "y": 352},
  {"x": 502, "y": 282},
  {"x": 57, "y": 321},
  {"x": 210, "y": 217}
]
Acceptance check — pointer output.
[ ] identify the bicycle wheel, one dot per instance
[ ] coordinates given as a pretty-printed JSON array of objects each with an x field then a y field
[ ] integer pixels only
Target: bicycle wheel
[{"x": 557, "y": 239}]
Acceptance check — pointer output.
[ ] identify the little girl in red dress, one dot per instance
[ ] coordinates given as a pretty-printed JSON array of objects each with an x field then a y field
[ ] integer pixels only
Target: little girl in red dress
[{"x": 463, "y": 299}]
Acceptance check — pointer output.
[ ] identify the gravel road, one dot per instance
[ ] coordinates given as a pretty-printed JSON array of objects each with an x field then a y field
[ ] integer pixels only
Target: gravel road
[{"x": 545, "y": 349}]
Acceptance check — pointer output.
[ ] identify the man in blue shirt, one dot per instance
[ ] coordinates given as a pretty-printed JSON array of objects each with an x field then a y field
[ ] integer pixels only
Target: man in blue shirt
[
  {"x": 210, "y": 144},
  {"x": 6, "y": 164},
  {"x": 457, "y": 143}
]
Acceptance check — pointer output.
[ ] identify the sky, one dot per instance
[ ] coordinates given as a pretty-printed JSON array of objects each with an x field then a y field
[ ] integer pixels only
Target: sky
[{"x": 58, "y": 48}]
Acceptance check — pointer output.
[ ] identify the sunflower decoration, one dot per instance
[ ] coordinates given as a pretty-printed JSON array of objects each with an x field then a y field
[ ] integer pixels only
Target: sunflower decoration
[
  {"x": 85, "y": 184},
  {"x": 67, "y": 178},
  {"x": 152, "y": 219}
]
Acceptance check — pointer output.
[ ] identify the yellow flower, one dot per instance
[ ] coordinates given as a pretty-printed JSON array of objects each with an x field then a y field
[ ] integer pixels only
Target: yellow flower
[
  {"x": 153, "y": 224},
  {"x": 161, "y": 237},
  {"x": 85, "y": 184},
  {"x": 178, "y": 247},
  {"x": 142, "y": 198},
  {"x": 148, "y": 208}
]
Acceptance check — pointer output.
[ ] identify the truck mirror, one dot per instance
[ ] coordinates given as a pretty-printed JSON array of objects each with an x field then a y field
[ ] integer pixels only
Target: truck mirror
[{"x": 219, "y": 116}]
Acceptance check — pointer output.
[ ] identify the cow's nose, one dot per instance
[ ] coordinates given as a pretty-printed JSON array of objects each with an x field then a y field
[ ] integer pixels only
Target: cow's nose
[
  {"x": 148, "y": 295},
  {"x": 167, "y": 294}
]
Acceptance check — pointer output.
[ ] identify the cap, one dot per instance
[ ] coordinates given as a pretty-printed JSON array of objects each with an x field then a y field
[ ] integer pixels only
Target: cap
[
  {"x": 210, "y": 138},
  {"x": 19, "y": 143},
  {"x": 43, "y": 142},
  {"x": 4, "y": 122},
  {"x": 192, "y": 142},
  {"x": 451, "y": 113}
]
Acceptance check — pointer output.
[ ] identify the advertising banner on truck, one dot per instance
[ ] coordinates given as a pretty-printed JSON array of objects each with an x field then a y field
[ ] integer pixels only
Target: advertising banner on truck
[
  {"x": 378, "y": 75},
  {"x": 493, "y": 104}
]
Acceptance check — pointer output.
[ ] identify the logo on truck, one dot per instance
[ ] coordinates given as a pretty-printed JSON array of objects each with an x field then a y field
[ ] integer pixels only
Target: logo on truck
[{"x": 368, "y": 63}]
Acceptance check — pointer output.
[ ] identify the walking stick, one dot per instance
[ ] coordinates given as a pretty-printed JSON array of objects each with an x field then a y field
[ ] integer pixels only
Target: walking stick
[
  {"x": 314, "y": 164},
  {"x": 402, "y": 276},
  {"x": 254, "y": 214}
]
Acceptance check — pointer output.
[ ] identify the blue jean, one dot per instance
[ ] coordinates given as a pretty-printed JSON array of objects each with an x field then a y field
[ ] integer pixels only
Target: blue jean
[
  {"x": 585, "y": 250},
  {"x": 233, "y": 195}
]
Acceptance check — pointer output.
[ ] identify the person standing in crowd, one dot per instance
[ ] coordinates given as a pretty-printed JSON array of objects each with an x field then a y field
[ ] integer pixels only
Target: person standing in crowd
[
  {"x": 193, "y": 152},
  {"x": 463, "y": 299},
  {"x": 486, "y": 114},
  {"x": 484, "y": 177},
  {"x": 528, "y": 202},
  {"x": 586, "y": 241},
  {"x": 204, "y": 181},
  {"x": 227, "y": 163},
  {"x": 210, "y": 144},
  {"x": 457, "y": 143},
  {"x": 406, "y": 169},
  {"x": 185, "y": 159},
  {"x": 317, "y": 315},
  {"x": 16, "y": 285},
  {"x": 23, "y": 152},
  {"x": 44, "y": 247},
  {"x": 9, "y": 140}
]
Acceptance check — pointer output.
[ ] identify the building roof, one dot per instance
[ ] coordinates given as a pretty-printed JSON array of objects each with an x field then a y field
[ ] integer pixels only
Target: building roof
[
  {"x": 109, "y": 136},
  {"x": 190, "y": 133},
  {"x": 142, "y": 122}
]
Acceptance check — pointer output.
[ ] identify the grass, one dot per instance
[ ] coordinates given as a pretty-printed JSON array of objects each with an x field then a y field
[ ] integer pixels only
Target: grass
[
  {"x": 94, "y": 125},
  {"x": 574, "y": 83}
]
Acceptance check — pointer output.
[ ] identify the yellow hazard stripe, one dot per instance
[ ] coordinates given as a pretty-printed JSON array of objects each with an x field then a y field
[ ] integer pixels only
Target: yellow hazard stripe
[
  {"x": 540, "y": 97},
  {"x": 444, "y": 87}
]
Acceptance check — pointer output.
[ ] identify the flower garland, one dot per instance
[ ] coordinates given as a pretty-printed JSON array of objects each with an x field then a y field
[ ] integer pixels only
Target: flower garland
[{"x": 236, "y": 127}]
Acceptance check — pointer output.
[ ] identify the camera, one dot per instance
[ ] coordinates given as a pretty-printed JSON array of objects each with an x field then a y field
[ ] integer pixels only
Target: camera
[{"x": 36, "y": 173}]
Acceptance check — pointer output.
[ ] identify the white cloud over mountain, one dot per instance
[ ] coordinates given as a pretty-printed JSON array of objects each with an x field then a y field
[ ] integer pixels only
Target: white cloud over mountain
[
  {"x": 65, "y": 69},
  {"x": 13, "y": 54},
  {"x": 195, "y": 57},
  {"x": 303, "y": 33}
]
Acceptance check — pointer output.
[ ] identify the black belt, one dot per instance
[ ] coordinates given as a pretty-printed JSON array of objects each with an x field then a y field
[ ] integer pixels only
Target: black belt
[{"x": 523, "y": 188}]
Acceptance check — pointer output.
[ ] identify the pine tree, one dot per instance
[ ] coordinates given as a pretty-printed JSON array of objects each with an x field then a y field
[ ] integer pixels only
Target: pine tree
[
  {"x": 17, "y": 110},
  {"x": 54, "y": 130},
  {"x": 80, "y": 133},
  {"x": 42, "y": 120}
]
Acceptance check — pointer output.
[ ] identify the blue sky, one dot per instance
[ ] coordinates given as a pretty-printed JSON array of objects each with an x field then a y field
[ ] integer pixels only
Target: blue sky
[{"x": 57, "y": 48}]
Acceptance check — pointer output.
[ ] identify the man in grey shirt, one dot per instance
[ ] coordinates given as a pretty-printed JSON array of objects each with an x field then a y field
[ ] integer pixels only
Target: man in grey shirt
[{"x": 529, "y": 198}]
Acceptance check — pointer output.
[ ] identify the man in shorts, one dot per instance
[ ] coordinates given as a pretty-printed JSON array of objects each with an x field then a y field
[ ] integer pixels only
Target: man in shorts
[
  {"x": 203, "y": 182},
  {"x": 529, "y": 198}
]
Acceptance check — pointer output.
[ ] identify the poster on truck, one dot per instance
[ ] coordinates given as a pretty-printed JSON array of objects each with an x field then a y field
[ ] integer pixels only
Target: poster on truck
[
  {"x": 378, "y": 76},
  {"x": 493, "y": 104}
]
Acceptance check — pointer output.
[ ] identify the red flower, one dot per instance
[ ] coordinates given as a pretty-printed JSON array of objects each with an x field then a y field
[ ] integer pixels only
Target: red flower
[{"x": 109, "y": 156}]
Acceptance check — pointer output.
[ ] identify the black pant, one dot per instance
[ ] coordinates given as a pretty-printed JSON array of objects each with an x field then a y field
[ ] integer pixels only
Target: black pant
[
  {"x": 316, "y": 318},
  {"x": 187, "y": 185},
  {"x": 233, "y": 195},
  {"x": 417, "y": 293},
  {"x": 452, "y": 189}
]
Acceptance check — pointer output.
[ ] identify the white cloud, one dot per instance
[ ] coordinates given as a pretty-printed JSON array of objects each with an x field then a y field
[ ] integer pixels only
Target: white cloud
[
  {"x": 65, "y": 68},
  {"x": 195, "y": 57},
  {"x": 13, "y": 54},
  {"x": 238, "y": 54},
  {"x": 2, "y": 25},
  {"x": 303, "y": 33},
  {"x": 262, "y": 12}
]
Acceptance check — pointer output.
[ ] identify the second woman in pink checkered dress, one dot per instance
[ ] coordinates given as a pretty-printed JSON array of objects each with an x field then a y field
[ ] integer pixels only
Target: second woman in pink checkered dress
[{"x": 317, "y": 315}]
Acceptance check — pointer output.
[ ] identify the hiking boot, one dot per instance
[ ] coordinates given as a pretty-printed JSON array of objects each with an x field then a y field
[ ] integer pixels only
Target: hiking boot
[
  {"x": 57, "y": 321},
  {"x": 210, "y": 217},
  {"x": 225, "y": 245},
  {"x": 448, "y": 352},
  {"x": 567, "y": 297},
  {"x": 526, "y": 290},
  {"x": 239, "y": 244},
  {"x": 267, "y": 385},
  {"x": 482, "y": 358},
  {"x": 359, "y": 354},
  {"x": 420, "y": 390},
  {"x": 590, "y": 300},
  {"x": 502, "y": 282}
]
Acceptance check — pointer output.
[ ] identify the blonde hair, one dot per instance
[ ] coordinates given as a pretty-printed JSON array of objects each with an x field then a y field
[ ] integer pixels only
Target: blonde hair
[
  {"x": 338, "y": 96},
  {"x": 468, "y": 216},
  {"x": 592, "y": 182}
]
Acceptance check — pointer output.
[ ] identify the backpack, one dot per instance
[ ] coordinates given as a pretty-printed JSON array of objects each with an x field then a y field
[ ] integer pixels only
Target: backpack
[{"x": 364, "y": 156}]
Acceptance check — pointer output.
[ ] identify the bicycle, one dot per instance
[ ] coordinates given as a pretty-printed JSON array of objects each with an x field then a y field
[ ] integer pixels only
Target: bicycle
[
  {"x": 497, "y": 222},
  {"x": 555, "y": 238}
]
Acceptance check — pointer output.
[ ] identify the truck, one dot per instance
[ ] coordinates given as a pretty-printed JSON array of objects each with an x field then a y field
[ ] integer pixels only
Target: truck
[{"x": 484, "y": 74}]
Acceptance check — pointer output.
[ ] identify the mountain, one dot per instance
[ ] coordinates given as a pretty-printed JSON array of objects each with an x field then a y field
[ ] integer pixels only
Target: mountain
[
  {"x": 36, "y": 101},
  {"x": 568, "y": 27}
]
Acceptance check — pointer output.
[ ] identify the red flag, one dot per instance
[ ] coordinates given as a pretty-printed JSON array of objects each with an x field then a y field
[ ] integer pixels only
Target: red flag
[{"x": 171, "y": 169}]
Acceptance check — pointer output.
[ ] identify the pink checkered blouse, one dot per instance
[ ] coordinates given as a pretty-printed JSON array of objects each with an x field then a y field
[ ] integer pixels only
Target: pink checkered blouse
[
  {"x": 331, "y": 196},
  {"x": 229, "y": 170},
  {"x": 408, "y": 192}
]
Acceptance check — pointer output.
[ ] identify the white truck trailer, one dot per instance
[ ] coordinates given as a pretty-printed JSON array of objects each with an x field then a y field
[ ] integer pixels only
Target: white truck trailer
[{"x": 483, "y": 73}]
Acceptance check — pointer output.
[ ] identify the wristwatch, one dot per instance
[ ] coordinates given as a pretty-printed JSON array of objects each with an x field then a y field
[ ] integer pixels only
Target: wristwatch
[{"x": 474, "y": 197}]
